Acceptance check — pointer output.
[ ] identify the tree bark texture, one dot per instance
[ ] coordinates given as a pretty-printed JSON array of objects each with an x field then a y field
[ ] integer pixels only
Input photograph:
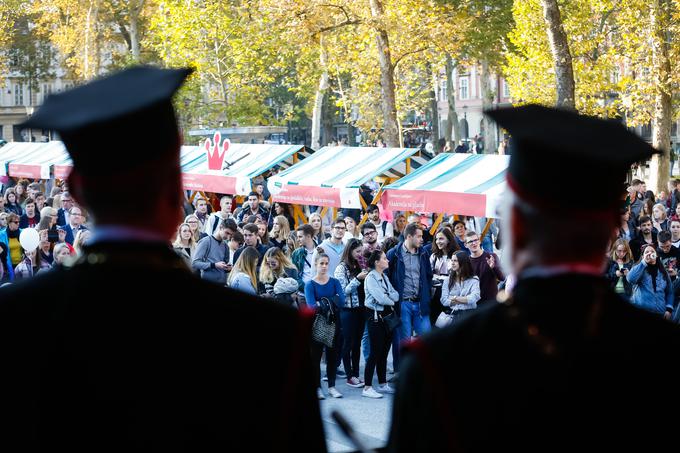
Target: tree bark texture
[
  {"x": 317, "y": 110},
  {"x": 452, "y": 124},
  {"x": 434, "y": 108},
  {"x": 564, "y": 71},
  {"x": 387, "y": 88},
  {"x": 488, "y": 95},
  {"x": 660, "y": 15},
  {"x": 135, "y": 8}
]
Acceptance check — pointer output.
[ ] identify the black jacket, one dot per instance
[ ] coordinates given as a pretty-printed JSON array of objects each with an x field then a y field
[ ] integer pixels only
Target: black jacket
[
  {"x": 567, "y": 365},
  {"x": 613, "y": 279},
  {"x": 128, "y": 351}
]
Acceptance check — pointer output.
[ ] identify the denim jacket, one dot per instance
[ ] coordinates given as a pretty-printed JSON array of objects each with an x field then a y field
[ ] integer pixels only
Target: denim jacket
[{"x": 644, "y": 295}]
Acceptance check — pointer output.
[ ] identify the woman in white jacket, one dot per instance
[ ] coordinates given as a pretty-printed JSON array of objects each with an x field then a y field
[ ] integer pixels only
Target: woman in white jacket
[
  {"x": 460, "y": 291},
  {"x": 380, "y": 300}
]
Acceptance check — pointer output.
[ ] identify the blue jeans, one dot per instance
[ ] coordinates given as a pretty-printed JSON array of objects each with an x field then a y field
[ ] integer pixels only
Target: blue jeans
[{"x": 411, "y": 319}]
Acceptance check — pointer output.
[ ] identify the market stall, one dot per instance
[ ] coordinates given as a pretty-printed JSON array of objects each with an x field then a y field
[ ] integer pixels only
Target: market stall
[
  {"x": 332, "y": 176},
  {"x": 224, "y": 167},
  {"x": 34, "y": 160},
  {"x": 464, "y": 184},
  {"x": 217, "y": 166}
]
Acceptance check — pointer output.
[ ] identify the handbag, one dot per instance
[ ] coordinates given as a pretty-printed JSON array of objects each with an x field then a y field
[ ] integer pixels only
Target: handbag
[
  {"x": 323, "y": 328},
  {"x": 443, "y": 320},
  {"x": 391, "y": 322}
]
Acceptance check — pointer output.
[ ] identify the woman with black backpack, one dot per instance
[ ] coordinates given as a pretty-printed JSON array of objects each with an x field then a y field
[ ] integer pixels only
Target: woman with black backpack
[{"x": 351, "y": 278}]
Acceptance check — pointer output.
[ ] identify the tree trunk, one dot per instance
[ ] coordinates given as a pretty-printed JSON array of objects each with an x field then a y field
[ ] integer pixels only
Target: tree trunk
[
  {"x": 488, "y": 95},
  {"x": 317, "y": 111},
  {"x": 452, "y": 124},
  {"x": 388, "y": 98},
  {"x": 435, "y": 109},
  {"x": 659, "y": 168},
  {"x": 135, "y": 7},
  {"x": 564, "y": 71},
  {"x": 327, "y": 121},
  {"x": 89, "y": 20}
]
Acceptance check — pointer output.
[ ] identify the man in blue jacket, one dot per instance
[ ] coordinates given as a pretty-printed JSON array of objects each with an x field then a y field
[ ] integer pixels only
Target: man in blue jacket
[{"x": 411, "y": 275}]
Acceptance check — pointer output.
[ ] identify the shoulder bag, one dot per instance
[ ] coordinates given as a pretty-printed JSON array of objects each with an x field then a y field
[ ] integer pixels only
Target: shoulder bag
[{"x": 324, "y": 326}]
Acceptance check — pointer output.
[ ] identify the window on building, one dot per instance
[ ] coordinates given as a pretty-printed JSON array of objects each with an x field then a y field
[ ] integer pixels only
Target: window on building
[
  {"x": 18, "y": 94},
  {"x": 616, "y": 75},
  {"x": 464, "y": 88},
  {"x": 443, "y": 94},
  {"x": 506, "y": 89}
]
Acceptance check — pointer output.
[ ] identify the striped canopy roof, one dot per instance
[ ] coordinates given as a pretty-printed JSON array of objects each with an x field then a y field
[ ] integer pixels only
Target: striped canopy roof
[
  {"x": 464, "y": 184},
  {"x": 242, "y": 163},
  {"x": 332, "y": 175},
  {"x": 34, "y": 160}
]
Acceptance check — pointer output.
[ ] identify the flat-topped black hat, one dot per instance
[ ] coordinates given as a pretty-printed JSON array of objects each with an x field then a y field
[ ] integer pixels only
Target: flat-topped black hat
[
  {"x": 549, "y": 144},
  {"x": 115, "y": 122}
]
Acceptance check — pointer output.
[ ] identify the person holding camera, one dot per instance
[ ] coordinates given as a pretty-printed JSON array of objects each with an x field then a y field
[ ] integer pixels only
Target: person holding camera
[
  {"x": 652, "y": 287},
  {"x": 620, "y": 263},
  {"x": 381, "y": 297}
]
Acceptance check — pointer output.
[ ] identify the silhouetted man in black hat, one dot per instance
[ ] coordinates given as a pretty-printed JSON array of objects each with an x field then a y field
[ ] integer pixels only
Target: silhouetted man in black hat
[
  {"x": 565, "y": 364},
  {"x": 126, "y": 350}
]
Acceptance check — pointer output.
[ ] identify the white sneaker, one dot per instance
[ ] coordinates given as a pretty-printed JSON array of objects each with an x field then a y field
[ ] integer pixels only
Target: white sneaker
[
  {"x": 385, "y": 388},
  {"x": 334, "y": 393},
  {"x": 320, "y": 394},
  {"x": 368, "y": 392}
]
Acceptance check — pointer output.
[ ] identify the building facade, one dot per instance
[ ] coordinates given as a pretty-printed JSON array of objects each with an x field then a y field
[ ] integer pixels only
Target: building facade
[
  {"x": 468, "y": 101},
  {"x": 19, "y": 99}
]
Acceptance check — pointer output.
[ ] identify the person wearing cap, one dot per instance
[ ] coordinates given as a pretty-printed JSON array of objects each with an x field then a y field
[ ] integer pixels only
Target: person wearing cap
[
  {"x": 561, "y": 365},
  {"x": 125, "y": 353}
]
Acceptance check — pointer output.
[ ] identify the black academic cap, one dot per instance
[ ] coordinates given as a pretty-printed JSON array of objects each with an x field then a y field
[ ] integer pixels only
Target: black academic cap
[
  {"x": 115, "y": 122},
  {"x": 547, "y": 144}
]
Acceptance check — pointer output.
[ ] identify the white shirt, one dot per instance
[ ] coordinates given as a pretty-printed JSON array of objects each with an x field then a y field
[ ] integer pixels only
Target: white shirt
[
  {"x": 389, "y": 230},
  {"x": 307, "y": 270}
]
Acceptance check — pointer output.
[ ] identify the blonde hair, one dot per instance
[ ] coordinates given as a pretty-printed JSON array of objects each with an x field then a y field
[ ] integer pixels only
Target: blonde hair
[
  {"x": 197, "y": 233},
  {"x": 663, "y": 209},
  {"x": 316, "y": 214},
  {"x": 246, "y": 263},
  {"x": 267, "y": 273},
  {"x": 284, "y": 229},
  {"x": 56, "y": 201},
  {"x": 615, "y": 245},
  {"x": 178, "y": 239}
]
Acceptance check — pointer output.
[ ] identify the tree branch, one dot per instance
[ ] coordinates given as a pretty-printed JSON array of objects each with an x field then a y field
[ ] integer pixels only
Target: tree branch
[{"x": 401, "y": 57}]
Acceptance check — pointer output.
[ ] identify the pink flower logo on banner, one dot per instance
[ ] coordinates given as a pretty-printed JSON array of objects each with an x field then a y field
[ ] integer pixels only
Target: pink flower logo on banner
[{"x": 216, "y": 153}]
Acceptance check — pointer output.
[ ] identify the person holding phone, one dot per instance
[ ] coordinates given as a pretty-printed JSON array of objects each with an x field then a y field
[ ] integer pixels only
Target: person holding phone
[{"x": 652, "y": 288}]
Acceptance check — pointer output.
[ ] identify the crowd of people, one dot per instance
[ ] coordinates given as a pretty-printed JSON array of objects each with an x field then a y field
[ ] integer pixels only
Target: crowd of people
[
  {"x": 644, "y": 258},
  {"x": 369, "y": 270},
  {"x": 61, "y": 225}
]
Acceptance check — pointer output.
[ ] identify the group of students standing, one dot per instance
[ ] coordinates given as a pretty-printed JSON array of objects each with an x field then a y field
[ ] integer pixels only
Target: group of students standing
[
  {"x": 369, "y": 272},
  {"x": 644, "y": 259}
]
